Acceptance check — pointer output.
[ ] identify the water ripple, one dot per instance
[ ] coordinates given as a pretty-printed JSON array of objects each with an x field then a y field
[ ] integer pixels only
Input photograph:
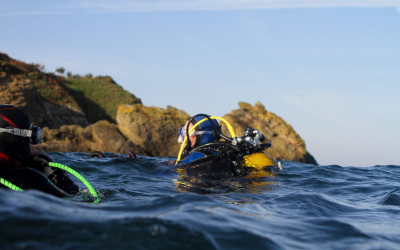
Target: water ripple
[{"x": 146, "y": 207}]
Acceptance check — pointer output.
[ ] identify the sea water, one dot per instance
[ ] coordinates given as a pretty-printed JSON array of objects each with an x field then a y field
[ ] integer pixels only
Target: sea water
[{"x": 144, "y": 205}]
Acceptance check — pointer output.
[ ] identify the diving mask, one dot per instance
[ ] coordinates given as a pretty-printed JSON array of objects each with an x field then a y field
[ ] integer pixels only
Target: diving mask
[
  {"x": 182, "y": 133},
  {"x": 34, "y": 133}
]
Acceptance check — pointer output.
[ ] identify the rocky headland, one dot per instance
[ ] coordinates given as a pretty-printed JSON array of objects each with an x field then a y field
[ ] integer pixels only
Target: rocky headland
[
  {"x": 86, "y": 113},
  {"x": 286, "y": 143}
]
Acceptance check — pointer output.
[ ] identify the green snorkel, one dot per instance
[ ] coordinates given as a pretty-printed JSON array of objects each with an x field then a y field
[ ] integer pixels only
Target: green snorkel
[{"x": 63, "y": 167}]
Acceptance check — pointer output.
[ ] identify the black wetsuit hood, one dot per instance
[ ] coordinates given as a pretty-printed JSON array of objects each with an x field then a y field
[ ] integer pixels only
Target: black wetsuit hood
[{"x": 12, "y": 145}]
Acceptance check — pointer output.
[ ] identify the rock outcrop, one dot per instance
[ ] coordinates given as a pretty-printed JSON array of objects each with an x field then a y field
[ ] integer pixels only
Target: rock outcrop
[
  {"x": 67, "y": 106},
  {"x": 286, "y": 143},
  {"x": 153, "y": 129},
  {"x": 42, "y": 96},
  {"x": 101, "y": 136},
  {"x": 52, "y": 100}
]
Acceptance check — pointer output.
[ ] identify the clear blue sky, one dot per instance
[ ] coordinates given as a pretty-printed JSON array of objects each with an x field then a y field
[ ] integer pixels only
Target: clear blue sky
[{"x": 330, "y": 70}]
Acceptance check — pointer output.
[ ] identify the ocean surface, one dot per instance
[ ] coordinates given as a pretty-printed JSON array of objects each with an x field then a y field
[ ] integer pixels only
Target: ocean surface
[{"x": 146, "y": 206}]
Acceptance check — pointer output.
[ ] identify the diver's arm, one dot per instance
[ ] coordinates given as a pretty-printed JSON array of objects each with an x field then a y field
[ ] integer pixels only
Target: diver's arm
[
  {"x": 28, "y": 178},
  {"x": 40, "y": 162}
]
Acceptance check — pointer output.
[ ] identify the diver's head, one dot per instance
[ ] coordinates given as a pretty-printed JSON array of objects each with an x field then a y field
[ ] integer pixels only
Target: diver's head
[
  {"x": 183, "y": 134},
  {"x": 16, "y": 132},
  {"x": 203, "y": 133}
]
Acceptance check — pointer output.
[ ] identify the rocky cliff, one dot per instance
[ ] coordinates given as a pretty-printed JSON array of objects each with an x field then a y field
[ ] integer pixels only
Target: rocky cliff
[
  {"x": 66, "y": 107},
  {"x": 153, "y": 129},
  {"x": 42, "y": 96},
  {"x": 286, "y": 143},
  {"x": 101, "y": 136},
  {"x": 53, "y": 100}
]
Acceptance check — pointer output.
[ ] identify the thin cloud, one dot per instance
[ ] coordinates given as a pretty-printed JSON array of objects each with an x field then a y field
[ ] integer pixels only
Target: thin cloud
[
  {"x": 127, "y": 6},
  {"x": 168, "y": 5},
  {"x": 34, "y": 13}
]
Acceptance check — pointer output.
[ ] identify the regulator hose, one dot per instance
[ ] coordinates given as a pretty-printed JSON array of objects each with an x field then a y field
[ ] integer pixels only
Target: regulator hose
[
  {"x": 77, "y": 175},
  {"x": 10, "y": 185}
]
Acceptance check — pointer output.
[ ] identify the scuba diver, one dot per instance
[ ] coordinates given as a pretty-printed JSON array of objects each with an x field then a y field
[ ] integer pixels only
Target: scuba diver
[
  {"x": 20, "y": 166},
  {"x": 206, "y": 157}
]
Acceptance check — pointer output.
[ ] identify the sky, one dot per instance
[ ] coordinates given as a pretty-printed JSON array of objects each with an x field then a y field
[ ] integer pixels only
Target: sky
[{"x": 330, "y": 68}]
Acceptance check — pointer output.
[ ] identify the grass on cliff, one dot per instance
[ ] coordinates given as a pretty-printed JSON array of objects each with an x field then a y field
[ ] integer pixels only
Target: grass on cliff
[
  {"x": 99, "y": 97},
  {"x": 51, "y": 89},
  {"x": 101, "y": 91},
  {"x": 49, "y": 86}
]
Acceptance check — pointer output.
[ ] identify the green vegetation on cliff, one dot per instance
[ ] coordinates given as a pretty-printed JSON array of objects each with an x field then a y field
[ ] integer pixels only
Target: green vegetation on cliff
[
  {"x": 49, "y": 86},
  {"x": 99, "y": 96}
]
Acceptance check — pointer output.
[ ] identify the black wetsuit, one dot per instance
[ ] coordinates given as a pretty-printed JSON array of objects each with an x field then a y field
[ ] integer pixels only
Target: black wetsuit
[
  {"x": 34, "y": 175},
  {"x": 25, "y": 168}
]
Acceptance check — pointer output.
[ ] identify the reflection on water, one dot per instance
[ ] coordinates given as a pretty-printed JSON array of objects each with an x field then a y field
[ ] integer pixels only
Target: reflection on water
[{"x": 255, "y": 180}]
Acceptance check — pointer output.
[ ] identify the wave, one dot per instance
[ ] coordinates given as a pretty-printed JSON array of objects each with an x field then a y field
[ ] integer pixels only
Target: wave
[{"x": 144, "y": 207}]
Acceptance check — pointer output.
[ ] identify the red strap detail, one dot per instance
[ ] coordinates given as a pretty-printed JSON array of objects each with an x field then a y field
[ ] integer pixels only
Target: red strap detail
[
  {"x": 9, "y": 108},
  {"x": 8, "y": 120},
  {"x": 4, "y": 157}
]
